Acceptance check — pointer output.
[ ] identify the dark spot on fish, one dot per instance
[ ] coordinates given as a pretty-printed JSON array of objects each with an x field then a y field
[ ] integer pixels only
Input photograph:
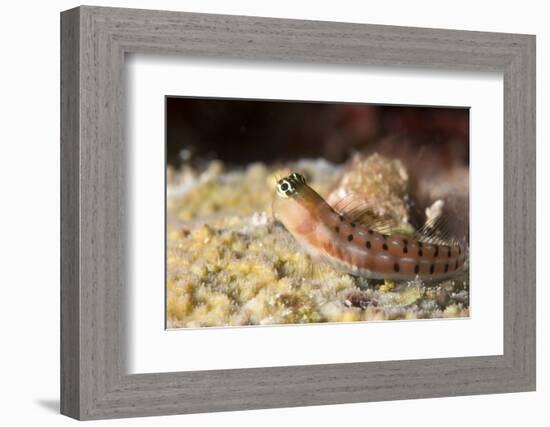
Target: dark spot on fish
[
  {"x": 436, "y": 250},
  {"x": 456, "y": 266},
  {"x": 370, "y": 231},
  {"x": 446, "y": 267},
  {"x": 396, "y": 267},
  {"x": 368, "y": 244},
  {"x": 416, "y": 269},
  {"x": 341, "y": 217},
  {"x": 384, "y": 236},
  {"x": 337, "y": 229},
  {"x": 449, "y": 251},
  {"x": 405, "y": 242},
  {"x": 459, "y": 250},
  {"x": 350, "y": 237},
  {"x": 405, "y": 249},
  {"x": 419, "y": 244},
  {"x": 352, "y": 224},
  {"x": 419, "y": 252},
  {"x": 385, "y": 247},
  {"x": 432, "y": 268}
]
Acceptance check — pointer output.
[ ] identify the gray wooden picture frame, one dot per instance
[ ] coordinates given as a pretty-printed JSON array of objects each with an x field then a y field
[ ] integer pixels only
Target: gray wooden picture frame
[{"x": 94, "y": 268}]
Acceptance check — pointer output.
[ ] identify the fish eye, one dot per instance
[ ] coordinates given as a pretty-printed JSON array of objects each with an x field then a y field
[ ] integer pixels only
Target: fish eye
[
  {"x": 298, "y": 177},
  {"x": 285, "y": 188}
]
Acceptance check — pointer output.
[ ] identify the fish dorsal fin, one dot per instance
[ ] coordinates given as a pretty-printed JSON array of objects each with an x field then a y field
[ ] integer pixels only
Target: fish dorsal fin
[
  {"x": 436, "y": 232},
  {"x": 356, "y": 209},
  {"x": 436, "y": 229}
]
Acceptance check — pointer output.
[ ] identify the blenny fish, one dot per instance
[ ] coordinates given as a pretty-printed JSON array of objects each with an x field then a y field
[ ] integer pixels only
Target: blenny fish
[{"x": 358, "y": 248}]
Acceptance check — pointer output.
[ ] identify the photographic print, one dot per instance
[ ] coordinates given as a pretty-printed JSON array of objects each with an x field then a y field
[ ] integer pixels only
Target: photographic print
[
  {"x": 296, "y": 212},
  {"x": 283, "y": 218}
]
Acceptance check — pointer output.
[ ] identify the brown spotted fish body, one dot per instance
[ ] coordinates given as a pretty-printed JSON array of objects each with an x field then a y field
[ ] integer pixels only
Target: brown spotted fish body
[{"x": 356, "y": 248}]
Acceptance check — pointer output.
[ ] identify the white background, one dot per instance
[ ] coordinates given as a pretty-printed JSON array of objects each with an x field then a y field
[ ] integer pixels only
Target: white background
[
  {"x": 29, "y": 213},
  {"x": 152, "y": 349}
]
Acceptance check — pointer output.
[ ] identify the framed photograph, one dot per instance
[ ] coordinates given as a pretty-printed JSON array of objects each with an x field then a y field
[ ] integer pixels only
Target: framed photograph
[
  {"x": 293, "y": 212},
  {"x": 261, "y": 213}
]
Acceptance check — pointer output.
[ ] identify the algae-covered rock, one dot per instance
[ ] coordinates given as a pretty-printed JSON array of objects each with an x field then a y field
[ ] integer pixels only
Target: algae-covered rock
[{"x": 229, "y": 263}]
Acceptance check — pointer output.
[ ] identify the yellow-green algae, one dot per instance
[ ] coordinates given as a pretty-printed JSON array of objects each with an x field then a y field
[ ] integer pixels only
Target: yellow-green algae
[{"x": 229, "y": 263}]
